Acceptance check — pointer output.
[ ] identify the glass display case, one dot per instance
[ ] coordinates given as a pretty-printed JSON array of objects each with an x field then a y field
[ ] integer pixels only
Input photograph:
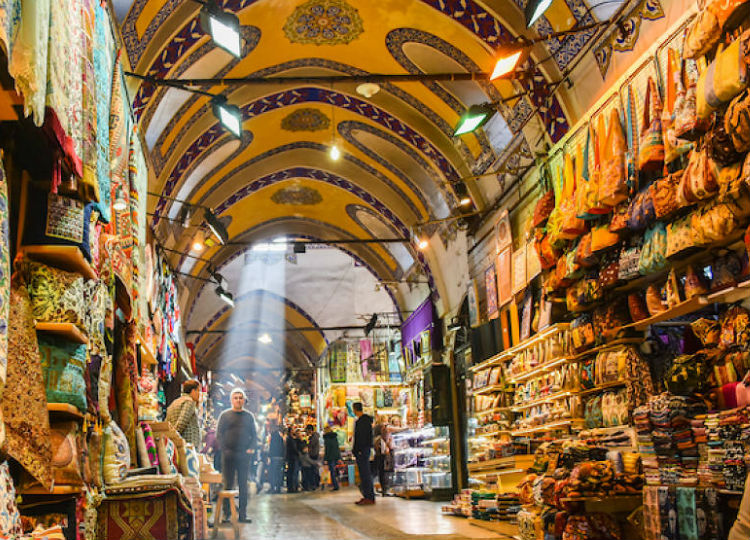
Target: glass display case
[{"x": 422, "y": 463}]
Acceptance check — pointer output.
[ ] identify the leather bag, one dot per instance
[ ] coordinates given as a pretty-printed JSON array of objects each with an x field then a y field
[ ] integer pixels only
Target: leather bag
[
  {"x": 651, "y": 147},
  {"x": 737, "y": 121}
]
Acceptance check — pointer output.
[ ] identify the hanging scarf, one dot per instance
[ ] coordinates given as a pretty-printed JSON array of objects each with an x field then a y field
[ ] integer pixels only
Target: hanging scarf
[
  {"x": 10, "y": 19},
  {"x": 138, "y": 180},
  {"x": 103, "y": 48},
  {"x": 24, "y": 400},
  {"x": 28, "y": 65},
  {"x": 4, "y": 287},
  {"x": 126, "y": 381},
  {"x": 118, "y": 158},
  {"x": 89, "y": 104}
]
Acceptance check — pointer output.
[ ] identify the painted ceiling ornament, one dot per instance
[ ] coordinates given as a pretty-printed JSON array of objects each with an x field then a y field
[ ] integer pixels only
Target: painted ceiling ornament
[
  {"x": 324, "y": 22},
  {"x": 306, "y": 119},
  {"x": 625, "y": 39},
  {"x": 297, "y": 196}
]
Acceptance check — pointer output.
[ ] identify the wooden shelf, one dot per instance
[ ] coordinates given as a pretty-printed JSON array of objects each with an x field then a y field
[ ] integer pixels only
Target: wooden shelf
[
  {"x": 492, "y": 411},
  {"x": 490, "y": 434},
  {"x": 683, "y": 308},
  {"x": 610, "y": 345},
  {"x": 67, "y": 258},
  {"x": 552, "y": 426},
  {"x": 731, "y": 492},
  {"x": 602, "y": 387},
  {"x": 730, "y": 295},
  {"x": 546, "y": 399},
  {"x": 636, "y": 498},
  {"x": 499, "y": 463},
  {"x": 67, "y": 331},
  {"x": 64, "y": 410},
  {"x": 57, "y": 490},
  {"x": 508, "y": 353},
  {"x": 488, "y": 389},
  {"x": 538, "y": 370}
]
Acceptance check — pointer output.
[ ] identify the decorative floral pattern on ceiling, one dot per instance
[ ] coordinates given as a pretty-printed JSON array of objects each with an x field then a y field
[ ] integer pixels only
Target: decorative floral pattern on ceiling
[
  {"x": 297, "y": 196},
  {"x": 324, "y": 22},
  {"x": 306, "y": 119}
]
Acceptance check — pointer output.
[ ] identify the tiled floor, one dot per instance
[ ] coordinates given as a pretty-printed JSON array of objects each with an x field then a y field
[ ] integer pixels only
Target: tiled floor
[{"x": 333, "y": 516}]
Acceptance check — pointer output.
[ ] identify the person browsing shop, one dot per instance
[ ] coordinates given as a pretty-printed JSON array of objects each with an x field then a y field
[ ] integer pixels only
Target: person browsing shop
[
  {"x": 331, "y": 454},
  {"x": 361, "y": 449},
  {"x": 237, "y": 437},
  {"x": 182, "y": 413}
]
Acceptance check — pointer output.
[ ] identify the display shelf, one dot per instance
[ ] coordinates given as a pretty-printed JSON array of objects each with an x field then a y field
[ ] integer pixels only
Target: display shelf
[
  {"x": 683, "y": 308},
  {"x": 546, "y": 399},
  {"x": 489, "y": 389},
  {"x": 495, "y": 464},
  {"x": 490, "y": 434},
  {"x": 602, "y": 387},
  {"x": 610, "y": 345},
  {"x": 609, "y": 498},
  {"x": 370, "y": 383},
  {"x": 739, "y": 292},
  {"x": 731, "y": 492},
  {"x": 552, "y": 426},
  {"x": 539, "y": 370},
  {"x": 57, "y": 490},
  {"x": 67, "y": 258},
  {"x": 436, "y": 440},
  {"x": 533, "y": 340},
  {"x": 64, "y": 410},
  {"x": 68, "y": 331},
  {"x": 491, "y": 411},
  {"x": 497, "y": 472}
]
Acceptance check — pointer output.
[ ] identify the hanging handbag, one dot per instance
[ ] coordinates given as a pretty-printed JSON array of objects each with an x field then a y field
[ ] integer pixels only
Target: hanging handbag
[
  {"x": 609, "y": 269},
  {"x": 720, "y": 146},
  {"x": 715, "y": 222},
  {"x": 664, "y": 195},
  {"x": 699, "y": 181},
  {"x": 547, "y": 254},
  {"x": 584, "y": 255},
  {"x": 651, "y": 147},
  {"x": 702, "y": 35},
  {"x": 725, "y": 78},
  {"x": 602, "y": 239},
  {"x": 619, "y": 220},
  {"x": 679, "y": 236},
  {"x": 637, "y": 307},
  {"x": 654, "y": 302},
  {"x": 687, "y": 125},
  {"x": 546, "y": 202},
  {"x": 737, "y": 121},
  {"x": 613, "y": 186},
  {"x": 654, "y": 252},
  {"x": 641, "y": 210},
  {"x": 596, "y": 137},
  {"x": 629, "y": 257},
  {"x": 674, "y": 147},
  {"x": 571, "y": 227}
]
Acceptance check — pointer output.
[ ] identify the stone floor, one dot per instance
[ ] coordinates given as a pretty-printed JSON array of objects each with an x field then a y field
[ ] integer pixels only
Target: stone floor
[{"x": 333, "y": 516}]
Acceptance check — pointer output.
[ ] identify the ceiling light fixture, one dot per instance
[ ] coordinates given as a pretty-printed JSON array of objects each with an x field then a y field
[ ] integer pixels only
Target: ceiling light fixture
[
  {"x": 198, "y": 244},
  {"x": 216, "y": 227},
  {"x": 506, "y": 64},
  {"x": 371, "y": 324},
  {"x": 218, "y": 278},
  {"x": 265, "y": 339},
  {"x": 335, "y": 153},
  {"x": 230, "y": 116},
  {"x": 474, "y": 118},
  {"x": 465, "y": 201},
  {"x": 368, "y": 89},
  {"x": 225, "y": 296},
  {"x": 222, "y": 26},
  {"x": 535, "y": 9}
]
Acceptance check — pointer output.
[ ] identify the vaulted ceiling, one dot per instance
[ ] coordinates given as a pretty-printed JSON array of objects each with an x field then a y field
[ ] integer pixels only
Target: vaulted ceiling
[{"x": 399, "y": 160}]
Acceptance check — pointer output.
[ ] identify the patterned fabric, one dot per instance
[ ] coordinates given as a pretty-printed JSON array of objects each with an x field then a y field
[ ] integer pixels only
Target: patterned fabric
[
  {"x": 182, "y": 413},
  {"x": 103, "y": 55},
  {"x": 145, "y": 515},
  {"x": 116, "y": 458},
  {"x": 10, "y": 19},
  {"x": 28, "y": 65},
  {"x": 140, "y": 440},
  {"x": 119, "y": 156},
  {"x": 148, "y": 435},
  {"x": 96, "y": 451},
  {"x": 138, "y": 175},
  {"x": 65, "y": 465},
  {"x": 5, "y": 271},
  {"x": 56, "y": 295},
  {"x": 89, "y": 182},
  {"x": 192, "y": 465},
  {"x": 24, "y": 404},
  {"x": 99, "y": 304},
  {"x": 63, "y": 364},
  {"x": 126, "y": 380},
  {"x": 10, "y": 519}
]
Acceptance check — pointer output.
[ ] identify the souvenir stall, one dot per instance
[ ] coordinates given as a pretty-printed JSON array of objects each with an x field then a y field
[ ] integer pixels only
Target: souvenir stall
[
  {"x": 91, "y": 325},
  {"x": 628, "y": 386}
]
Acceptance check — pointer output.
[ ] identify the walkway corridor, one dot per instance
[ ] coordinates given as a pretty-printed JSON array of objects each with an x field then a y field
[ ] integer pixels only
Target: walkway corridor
[{"x": 333, "y": 516}]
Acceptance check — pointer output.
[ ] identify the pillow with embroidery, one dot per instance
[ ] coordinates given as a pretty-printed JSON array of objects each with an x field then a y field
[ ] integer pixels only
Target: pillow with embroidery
[
  {"x": 116, "y": 454},
  {"x": 63, "y": 365},
  {"x": 10, "y": 519},
  {"x": 56, "y": 296}
]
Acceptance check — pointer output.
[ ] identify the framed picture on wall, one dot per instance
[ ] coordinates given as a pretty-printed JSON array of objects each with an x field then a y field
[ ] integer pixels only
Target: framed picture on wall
[
  {"x": 519, "y": 270},
  {"x": 473, "y": 300},
  {"x": 533, "y": 265},
  {"x": 503, "y": 236},
  {"x": 490, "y": 285},
  {"x": 504, "y": 273}
]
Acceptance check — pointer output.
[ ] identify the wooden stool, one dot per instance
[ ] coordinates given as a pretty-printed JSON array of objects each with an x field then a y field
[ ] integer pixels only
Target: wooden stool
[{"x": 226, "y": 495}]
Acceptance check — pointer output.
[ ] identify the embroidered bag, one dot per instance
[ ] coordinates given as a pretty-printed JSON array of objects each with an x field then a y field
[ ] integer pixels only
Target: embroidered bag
[
  {"x": 609, "y": 269},
  {"x": 63, "y": 364},
  {"x": 56, "y": 296},
  {"x": 571, "y": 227},
  {"x": 651, "y": 147},
  {"x": 546, "y": 203},
  {"x": 725, "y": 78},
  {"x": 679, "y": 236},
  {"x": 654, "y": 253},
  {"x": 720, "y": 146},
  {"x": 687, "y": 125},
  {"x": 613, "y": 187},
  {"x": 629, "y": 257},
  {"x": 641, "y": 210},
  {"x": 702, "y": 35},
  {"x": 674, "y": 148}
]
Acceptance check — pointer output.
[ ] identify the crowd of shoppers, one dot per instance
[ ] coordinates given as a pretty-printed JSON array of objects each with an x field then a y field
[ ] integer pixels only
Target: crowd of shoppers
[{"x": 273, "y": 454}]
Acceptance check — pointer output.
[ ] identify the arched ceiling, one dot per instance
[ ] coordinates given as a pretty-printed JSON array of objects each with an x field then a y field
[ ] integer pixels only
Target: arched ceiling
[{"x": 399, "y": 161}]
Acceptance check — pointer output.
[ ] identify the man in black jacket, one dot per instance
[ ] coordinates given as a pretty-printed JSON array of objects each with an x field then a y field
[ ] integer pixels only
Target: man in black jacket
[
  {"x": 277, "y": 452},
  {"x": 237, "y": 436},
  {"x": 361, "y": 450},
  {"x": 292, "y": 461}
]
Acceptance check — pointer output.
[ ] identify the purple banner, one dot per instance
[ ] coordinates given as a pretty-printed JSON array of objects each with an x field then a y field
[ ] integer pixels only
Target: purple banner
[{"x": 423, "y": 318}]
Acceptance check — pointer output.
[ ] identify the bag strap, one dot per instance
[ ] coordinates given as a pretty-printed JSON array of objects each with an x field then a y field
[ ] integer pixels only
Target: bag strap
[
  {"x": 585, "y": 174},
  {"x": 646, "y": 114},
  {"x": 632, "y": 139}
]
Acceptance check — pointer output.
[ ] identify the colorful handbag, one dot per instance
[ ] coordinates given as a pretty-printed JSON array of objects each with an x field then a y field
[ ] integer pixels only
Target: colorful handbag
[
  {"x": 571, "y": 226},
  {"x": 637, "y": 307},
  {"x": 699, "y": 180},
  {"x": 593, "y": 206},
  {"x": 674, "y": 148},
  {"x": 629, "y": 257},
  {"x": 702, "y": 35},
  {"x": 651, "y": 147},
  {"x": 543, "y": 208},
  {"x": 737, "y": 121},
  {"x": 602, "y": 239},
  {"x": 582, "y": 332},
  {"x": 584, "y": 255},
  {"x": 609, "y": 269},
  {"x": 654, "y": 302},
  {"x": 680, "y": 236},
  {"x": 687, "y": 125},
  {"x": 619, "y": 221},
  {"x": 720, "y": 146},
  {"x": 641, "y": 210},
  {"x": 725, "y": 78},
  {"x": 664, "y": 195},
  {"x": 547, "y": 254},
  {"x": 694, "y": 284},
  {"x": 654, "y": 252},
  {"x": 715, "y": 222},
  {"x": 613, "y": 187}
]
